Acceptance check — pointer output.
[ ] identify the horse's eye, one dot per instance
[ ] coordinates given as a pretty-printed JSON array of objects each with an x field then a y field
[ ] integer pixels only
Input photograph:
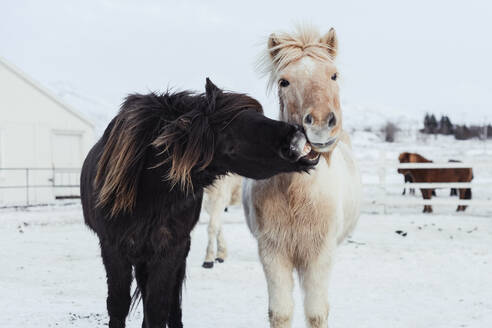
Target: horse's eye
[
  {"x": 283, "y": 83},
  {"x": 334, "y": 77}
]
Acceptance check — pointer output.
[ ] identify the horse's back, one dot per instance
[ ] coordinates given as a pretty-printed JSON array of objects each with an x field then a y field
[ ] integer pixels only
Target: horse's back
[
  {"x": 439, "y": 175},
  {"x": 226, "y": 189}
]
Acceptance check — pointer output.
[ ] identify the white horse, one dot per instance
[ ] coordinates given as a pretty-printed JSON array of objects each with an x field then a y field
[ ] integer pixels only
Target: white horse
[
  {"x": 299, "y": 219},
  {"x": 224, "y": 192}
]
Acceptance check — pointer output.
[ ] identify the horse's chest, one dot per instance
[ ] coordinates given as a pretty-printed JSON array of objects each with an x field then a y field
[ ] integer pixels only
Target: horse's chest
[
  {"x": 296, "y": 219},
  {"x": 148, "y": 236}
]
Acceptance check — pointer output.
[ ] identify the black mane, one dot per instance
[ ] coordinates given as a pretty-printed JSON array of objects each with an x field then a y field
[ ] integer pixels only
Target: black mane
[{"x": 180, "y": 127}]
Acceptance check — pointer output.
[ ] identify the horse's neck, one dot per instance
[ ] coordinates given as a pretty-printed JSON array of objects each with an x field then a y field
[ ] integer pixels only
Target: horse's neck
[
  {"x": 327, "y": 156},
  {"x": 208, "y": 176},
  {"x": 343, "y": 141},
  {"x": 284, "y": 181}
]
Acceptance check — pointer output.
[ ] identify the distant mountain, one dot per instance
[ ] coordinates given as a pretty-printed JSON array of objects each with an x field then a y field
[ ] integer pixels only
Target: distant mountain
[{"x": 355, "y": 117}]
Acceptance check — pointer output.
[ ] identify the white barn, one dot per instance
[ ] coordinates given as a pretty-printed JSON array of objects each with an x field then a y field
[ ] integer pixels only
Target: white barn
[{"x": 43, "y": 142}]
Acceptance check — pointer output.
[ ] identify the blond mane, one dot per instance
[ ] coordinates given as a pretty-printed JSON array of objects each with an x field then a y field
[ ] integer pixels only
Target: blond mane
[{"x": 290, "y": 47}]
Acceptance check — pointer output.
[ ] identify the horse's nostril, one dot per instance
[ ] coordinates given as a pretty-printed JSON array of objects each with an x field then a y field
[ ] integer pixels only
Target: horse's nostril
[
  {"x": 332, "y": 120},
  {"x": 293, "y": 150},
  {"x": 308, "y": 119},
  {"x": 287, "y": 154}
]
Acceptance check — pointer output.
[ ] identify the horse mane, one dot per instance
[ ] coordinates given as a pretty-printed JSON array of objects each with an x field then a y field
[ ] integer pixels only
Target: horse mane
[
  {"x": 180, "y": 127},
  {"x": 291, "y": 47},
  {"x": 407, "y": 157}
]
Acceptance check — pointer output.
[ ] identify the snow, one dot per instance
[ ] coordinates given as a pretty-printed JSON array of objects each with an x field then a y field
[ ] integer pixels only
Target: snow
[{"x": 438, "y": 275}]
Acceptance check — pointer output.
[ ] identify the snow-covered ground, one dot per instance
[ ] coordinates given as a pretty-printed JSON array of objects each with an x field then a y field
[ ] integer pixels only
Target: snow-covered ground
[{"x": 438, "y": 275}]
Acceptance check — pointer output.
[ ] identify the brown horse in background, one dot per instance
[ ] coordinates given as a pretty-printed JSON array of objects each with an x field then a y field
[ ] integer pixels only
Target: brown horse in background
[
  {"x": 436, "y": 175},
  {"x": 412, "y": 158}
]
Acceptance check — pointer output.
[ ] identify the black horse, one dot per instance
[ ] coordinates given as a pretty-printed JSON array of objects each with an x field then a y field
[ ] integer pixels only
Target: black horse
[{"x": 142, "y": 186}]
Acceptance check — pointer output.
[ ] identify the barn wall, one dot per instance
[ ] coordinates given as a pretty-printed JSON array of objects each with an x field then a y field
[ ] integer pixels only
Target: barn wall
[{"x": 36, "y": 132}]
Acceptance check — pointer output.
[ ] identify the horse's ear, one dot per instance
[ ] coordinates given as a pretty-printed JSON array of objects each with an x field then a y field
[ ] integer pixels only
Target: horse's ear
[
  {"x": 273, "y": 43},
  {"x": 331, "y": 41},
  {"x": 211, "y": 92},
  {"x": 210, "y": 88}
]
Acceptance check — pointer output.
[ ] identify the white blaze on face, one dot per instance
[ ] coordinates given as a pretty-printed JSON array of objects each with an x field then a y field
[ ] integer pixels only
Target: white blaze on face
[
  {"x": 308, "y": 70},
  {"x": 302, "y": 71},
  {"x": 307, "y": 65}
]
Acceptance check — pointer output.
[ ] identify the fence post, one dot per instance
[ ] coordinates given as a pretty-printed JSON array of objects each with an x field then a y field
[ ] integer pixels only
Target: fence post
[
  {"x": 53, "y": 177},
  {"x": 382, "y": 174},
  {"x": 27, "y": 186}
]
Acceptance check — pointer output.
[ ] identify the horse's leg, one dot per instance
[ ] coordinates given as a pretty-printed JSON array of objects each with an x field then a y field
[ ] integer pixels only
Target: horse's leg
[
  {"x": 423, "y": 191},
  {"x": 406, "y": 178},
  {"x": 278, "y": 272},
  {"x": 160, "y": 288},
  {"x": 175, "y": 316},
  {"x": 462, "y": 196},
  {"x": 119, "y": 279},
  {"x": 141, "y": 277},
  {"x": 411, "y": 191},
  {"x": 215, "y": 233},
  {"x": 427, "y": 194},
  {"x": 221, "y": 245},
  {"x": 315, "y": 281},
  {"x": 468, "y": 195},
  {"x": 158, "y": 298},
  {"x": 432, "y": 192}
]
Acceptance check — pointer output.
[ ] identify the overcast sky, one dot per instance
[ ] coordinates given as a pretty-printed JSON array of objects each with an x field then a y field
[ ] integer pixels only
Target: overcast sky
[{"x": 402, "y": 55}]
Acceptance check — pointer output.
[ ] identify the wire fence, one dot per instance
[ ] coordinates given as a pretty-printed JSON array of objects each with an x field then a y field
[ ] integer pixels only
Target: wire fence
[
  {"x": 38, "y": 186},
  {"x": 34, "y": 186}
]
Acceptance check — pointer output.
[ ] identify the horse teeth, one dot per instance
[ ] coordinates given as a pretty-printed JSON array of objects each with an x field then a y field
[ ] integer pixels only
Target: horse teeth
[{"x": 306, "y": 150}]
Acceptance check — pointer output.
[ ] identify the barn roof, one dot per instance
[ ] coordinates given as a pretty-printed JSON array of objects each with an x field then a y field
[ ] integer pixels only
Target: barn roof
[{"x": 44, "y": 91}]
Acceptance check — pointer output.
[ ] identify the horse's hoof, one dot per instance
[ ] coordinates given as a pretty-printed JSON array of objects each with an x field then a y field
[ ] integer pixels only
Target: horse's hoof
[
  {"x": 220, "y": 260},
  {"x": 208, "y": 265}
]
